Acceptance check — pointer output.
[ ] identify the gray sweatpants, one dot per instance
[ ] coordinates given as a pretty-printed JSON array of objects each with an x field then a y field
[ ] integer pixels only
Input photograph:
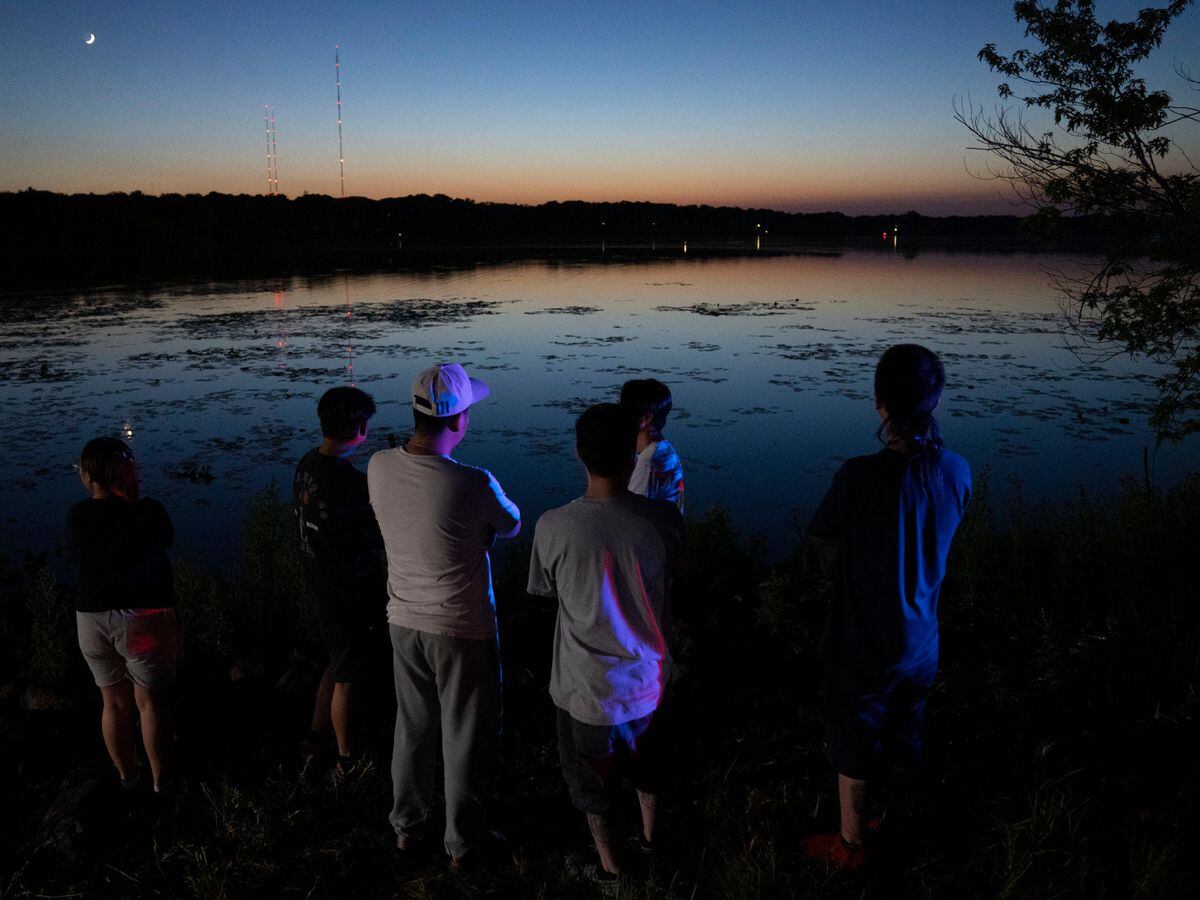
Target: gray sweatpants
[{"x": 450, "y": 686}]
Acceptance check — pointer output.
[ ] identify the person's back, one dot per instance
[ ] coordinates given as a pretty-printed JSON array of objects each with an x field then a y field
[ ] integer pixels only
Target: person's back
[
  {"x": 437, "y": 517},
  {"x": 609, "y": 558},
  {"x": 129, "y": 632},
  {"x": 119, "y": 550},
  {"x": 894, "y": 518},
  {"x": 339, "y": 547},
  {"x": 610, "y": 562},
  {"x": 337, "y": 526},
  {"x": 891, "y": 516}
]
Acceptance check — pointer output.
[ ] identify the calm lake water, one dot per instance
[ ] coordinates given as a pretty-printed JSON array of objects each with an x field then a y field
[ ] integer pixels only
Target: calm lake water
[{"x": 770, "y": 361}]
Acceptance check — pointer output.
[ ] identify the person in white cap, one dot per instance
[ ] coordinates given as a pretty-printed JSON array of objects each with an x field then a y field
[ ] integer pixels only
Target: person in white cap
[{"x": 438, "y": 517}]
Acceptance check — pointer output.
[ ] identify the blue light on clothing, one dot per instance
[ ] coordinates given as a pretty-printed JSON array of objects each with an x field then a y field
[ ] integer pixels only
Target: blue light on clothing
[{"x": 893, "y": 519}]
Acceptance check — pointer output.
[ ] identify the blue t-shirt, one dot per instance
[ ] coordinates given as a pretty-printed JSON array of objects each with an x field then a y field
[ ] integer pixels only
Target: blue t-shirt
[{"x": 892, "y": 519}]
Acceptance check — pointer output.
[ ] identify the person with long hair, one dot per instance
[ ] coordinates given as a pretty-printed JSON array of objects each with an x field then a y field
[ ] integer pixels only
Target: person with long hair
[
  {"x": 125, "y": 606},
  {"x": 891, "y": 516}
]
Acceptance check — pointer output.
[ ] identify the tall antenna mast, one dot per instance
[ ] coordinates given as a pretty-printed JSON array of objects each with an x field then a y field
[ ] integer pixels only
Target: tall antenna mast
[
  {"x": 274, "y": 154},
  {"x": 272, "y": 158},
  {"x": 337, "y": 66},
  {"x": 270, "y": 171}
]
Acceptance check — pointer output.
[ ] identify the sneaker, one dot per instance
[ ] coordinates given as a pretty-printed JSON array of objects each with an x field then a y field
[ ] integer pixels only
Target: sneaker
[
  {"x": 590, "y": 870},
  {"x": 834, "y": 851},
  {"x": 345, "y": 767}
]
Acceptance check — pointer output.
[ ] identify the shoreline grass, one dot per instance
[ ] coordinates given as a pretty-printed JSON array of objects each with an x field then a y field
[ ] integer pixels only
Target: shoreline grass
[{"x": 1062, "y": 732}]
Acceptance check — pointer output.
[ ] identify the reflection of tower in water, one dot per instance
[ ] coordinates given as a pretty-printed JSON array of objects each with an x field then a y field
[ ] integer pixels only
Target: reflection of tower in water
[
  {"x": 281, "y": 331},
  {"x": 349, "y": 335}
]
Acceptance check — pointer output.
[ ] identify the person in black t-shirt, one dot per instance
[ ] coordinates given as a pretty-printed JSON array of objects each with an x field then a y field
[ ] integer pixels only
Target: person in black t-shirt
[
  {"x": 891, "y": 517},
  {"x": 340, "y": 546},
  {"x": 125, "y": 605}
]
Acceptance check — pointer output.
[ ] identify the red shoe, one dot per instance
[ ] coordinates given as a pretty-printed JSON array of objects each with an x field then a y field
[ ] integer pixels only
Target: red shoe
[{"x": 833, "y": 850}]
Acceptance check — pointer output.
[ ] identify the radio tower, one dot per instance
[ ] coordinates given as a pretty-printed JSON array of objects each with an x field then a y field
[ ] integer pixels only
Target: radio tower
[
  {"x": 274, "y": 155},
  {"x": 270, "y": 173},
  {"x": 272, "y": 159},
  {"x": 337, "y": 66}
]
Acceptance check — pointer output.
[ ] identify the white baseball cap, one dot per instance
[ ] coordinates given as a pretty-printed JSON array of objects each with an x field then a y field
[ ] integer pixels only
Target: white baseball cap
[{"x": 446, "y": 390}]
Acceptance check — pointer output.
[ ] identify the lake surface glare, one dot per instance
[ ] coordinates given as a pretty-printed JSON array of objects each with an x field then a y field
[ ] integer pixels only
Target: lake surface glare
[{"x": 770, "y": 361}]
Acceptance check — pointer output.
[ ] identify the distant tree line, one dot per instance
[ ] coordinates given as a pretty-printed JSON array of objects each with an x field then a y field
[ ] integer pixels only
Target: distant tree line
[{"x": 83, "y": 238}]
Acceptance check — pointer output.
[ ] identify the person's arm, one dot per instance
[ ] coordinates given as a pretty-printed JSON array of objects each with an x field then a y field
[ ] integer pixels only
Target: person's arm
[
  {"x": 832, "y": 517},
  {"x": 503, "y": 517},
  {"x": 163, "y": 528},
  {"x": 541, "y": 578},
  {"x": 639, "y": 481},
  {"x": 359, "y": 516},
  {"x": 76, "y": 537}
]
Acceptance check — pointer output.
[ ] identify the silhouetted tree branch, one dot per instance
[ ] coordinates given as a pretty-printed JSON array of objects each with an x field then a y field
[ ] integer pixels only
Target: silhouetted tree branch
[{"x": 1111, "y": 157}]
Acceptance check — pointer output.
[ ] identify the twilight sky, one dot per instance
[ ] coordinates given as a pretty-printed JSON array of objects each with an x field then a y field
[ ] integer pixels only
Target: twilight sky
[{"x": 800, "y": 105}]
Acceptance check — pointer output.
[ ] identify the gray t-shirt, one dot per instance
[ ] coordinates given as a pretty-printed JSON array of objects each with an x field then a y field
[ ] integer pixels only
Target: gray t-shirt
[
  {"x": 610, "y": 563},
  {"x": 658, "y": 473},
  {"x": 437, "y": 518}
]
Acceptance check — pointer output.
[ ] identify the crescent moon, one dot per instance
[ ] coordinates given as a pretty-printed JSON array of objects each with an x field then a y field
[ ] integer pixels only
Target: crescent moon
[{"x": 91, "y": 39}]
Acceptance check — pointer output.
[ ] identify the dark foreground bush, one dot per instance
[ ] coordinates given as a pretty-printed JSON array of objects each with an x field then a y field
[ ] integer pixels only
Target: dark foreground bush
[{"x": 1062, "y": 734}]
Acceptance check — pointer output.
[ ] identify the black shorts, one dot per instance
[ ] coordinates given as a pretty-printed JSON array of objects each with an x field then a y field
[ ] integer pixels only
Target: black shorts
[
  {"x": 594, "y": 757},
  {"x": 347, "y": 614},
  {"x": 874, "y": 725}
]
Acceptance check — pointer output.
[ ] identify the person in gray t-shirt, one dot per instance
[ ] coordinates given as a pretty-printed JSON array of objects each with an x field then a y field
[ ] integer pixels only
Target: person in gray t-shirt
[
  {"x": 438, "y": 518},
  {"x": 610, "y": 558}
]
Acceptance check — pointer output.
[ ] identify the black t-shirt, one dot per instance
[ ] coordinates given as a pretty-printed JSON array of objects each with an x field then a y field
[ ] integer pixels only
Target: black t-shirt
[
  {"x": 119, "y": 549},
  {"x": 337, "y": 525},
  {"x": 893, "y": 520}
]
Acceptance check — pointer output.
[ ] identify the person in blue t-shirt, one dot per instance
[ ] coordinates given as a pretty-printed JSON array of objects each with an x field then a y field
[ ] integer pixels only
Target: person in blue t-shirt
[{"x": 891, "y": 517}]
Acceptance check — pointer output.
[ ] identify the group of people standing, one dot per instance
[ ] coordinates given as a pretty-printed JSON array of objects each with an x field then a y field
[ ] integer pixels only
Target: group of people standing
[{"x": 610, "y": 559}]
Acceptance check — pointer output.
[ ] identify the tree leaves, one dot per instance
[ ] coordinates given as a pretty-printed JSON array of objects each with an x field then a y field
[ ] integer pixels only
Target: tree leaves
[{"x": 1113, "y": 161}]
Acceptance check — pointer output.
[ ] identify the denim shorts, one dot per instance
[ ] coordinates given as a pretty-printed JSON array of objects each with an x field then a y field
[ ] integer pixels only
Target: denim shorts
[{"x": 142, "y": 645}]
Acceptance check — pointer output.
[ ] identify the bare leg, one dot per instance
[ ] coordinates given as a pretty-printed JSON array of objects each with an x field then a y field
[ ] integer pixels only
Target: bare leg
[
  {"x": 649, "y": 807},
  {"x": 852, "y": 797},
  {"x": 604, "y": 845},
  {"x": 116, "y": 724},
  {"x": 339, "y": 714},
  {"x": 155, "y": 709},
  {"x": 321, "y": 713}
]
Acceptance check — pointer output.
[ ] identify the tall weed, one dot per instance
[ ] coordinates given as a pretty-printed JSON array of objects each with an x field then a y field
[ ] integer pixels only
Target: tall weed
[{"x": 51, "y": 635}]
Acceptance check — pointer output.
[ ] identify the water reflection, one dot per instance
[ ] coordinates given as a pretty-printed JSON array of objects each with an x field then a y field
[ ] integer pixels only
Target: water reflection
[
  {"x": 760, "y": 352},
  {"x": 281, "y": 325},
  {"x": 349, "y": 334}
]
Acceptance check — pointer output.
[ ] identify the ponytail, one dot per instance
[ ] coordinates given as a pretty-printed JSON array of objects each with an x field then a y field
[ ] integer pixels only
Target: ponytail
[{"x": 908, "y": 384}]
